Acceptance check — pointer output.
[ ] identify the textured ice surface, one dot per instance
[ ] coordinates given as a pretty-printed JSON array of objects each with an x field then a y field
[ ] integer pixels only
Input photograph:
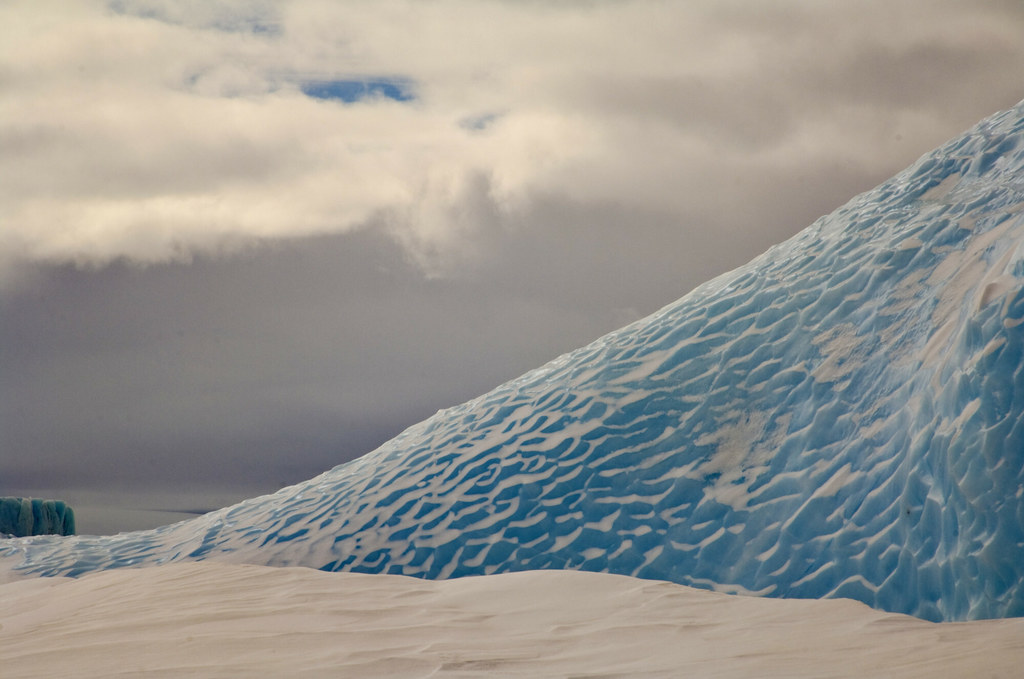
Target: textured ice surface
[
  {"x": 842, "y": 417},
  {"x": 22, "y": 516}
]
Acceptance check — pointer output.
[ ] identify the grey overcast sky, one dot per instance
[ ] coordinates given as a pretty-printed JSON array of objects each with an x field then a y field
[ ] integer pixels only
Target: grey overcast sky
[{"x": 244, "y": 241}]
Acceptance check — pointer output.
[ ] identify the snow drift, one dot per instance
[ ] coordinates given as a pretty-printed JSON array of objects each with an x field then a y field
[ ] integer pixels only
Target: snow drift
[
  {"x": 841, "y": 417},
  {"x": 216, "y": 620}
]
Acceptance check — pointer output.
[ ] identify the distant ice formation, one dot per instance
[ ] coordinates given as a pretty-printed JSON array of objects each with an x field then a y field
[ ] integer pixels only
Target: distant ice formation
[
  {"x": 841, "y": 417},
  {"x": 22, "y": 516}
]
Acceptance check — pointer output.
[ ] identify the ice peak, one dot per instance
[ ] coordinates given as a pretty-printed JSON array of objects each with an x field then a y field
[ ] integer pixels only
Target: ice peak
[{"x": 841, "y": 417}]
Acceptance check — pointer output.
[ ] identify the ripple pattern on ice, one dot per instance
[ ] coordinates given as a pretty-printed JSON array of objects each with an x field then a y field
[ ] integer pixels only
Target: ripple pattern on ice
[{"x": 842, "y": 417}]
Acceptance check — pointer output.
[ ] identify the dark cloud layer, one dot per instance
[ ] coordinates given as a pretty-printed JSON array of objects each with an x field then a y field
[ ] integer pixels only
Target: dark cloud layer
[{"x": 247, "y": 374}]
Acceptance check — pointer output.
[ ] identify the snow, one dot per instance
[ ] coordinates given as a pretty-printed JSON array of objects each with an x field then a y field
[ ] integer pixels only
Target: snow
[
  {"x": 218, "y": 620},
  {"x": 841, "y": 417}
]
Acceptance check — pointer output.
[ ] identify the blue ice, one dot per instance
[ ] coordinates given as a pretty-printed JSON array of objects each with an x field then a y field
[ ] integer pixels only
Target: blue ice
[
  {"x": 22, "y": 517},
  {"x": 841, "y": 417}
]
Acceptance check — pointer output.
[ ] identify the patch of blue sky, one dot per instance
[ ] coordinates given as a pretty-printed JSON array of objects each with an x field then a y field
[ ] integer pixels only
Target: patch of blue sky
[{"x": 350, "y": 91}]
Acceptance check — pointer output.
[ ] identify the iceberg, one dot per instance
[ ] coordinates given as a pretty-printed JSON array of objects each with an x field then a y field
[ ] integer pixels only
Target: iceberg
[
  {"x": 21, "y": 517},
  {"x": 841, "y": 417}
]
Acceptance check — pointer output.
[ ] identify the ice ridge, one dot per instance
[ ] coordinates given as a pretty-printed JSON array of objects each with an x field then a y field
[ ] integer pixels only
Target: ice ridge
[{"x": 841, "y": 417}]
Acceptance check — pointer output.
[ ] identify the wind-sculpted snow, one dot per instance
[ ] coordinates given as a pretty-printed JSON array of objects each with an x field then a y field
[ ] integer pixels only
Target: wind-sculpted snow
[{"x": 842, "y": 417}]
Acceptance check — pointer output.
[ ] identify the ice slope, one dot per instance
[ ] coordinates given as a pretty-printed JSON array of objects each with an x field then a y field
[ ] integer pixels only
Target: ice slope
[{"x": 841, "y": 417}]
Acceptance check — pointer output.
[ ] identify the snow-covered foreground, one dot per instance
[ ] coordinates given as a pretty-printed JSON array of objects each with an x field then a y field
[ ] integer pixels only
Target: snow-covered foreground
[{"x": 212, "y": 620}]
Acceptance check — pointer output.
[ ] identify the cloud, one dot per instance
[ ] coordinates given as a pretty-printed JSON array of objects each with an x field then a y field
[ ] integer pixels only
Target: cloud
[
  {"x": 555, "y": 169},
  {"x": 153, "y": 131},
  {"x": 243, "y": 374}
]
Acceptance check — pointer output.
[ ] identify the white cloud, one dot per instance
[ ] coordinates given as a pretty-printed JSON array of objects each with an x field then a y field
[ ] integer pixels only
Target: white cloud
[{"x": 154, "y": 130}]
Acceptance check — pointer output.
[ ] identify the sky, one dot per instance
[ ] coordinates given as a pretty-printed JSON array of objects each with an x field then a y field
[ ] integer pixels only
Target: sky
[{"x": 242, "y": 242}]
